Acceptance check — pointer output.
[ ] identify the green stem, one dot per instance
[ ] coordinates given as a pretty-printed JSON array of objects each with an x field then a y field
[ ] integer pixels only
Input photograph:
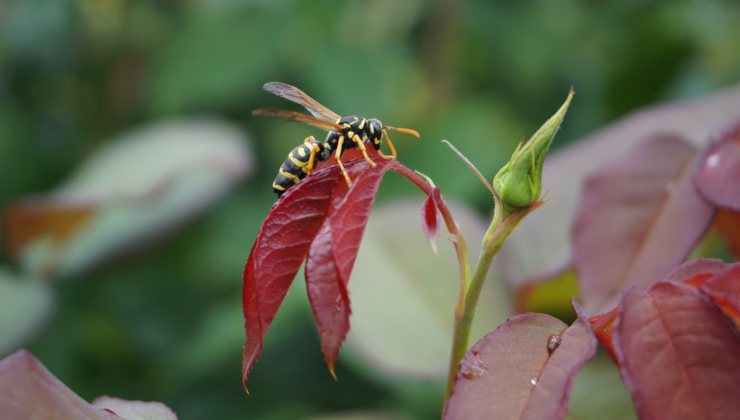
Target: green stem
[{"x": 503, "y": 223}]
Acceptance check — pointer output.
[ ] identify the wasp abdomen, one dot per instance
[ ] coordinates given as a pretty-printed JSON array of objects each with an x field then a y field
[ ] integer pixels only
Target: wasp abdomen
[{"x": 297, "y": 165}]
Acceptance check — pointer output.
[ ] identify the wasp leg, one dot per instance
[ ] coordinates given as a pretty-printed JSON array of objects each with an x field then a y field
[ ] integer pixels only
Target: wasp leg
[
  {"x": 309, "y": 139},
  {"x": 311, "y": 158},
  {"x": 359, "y": 143},
  {"x": 390, "y": 146},
  {"x": 338, "y": 156}
]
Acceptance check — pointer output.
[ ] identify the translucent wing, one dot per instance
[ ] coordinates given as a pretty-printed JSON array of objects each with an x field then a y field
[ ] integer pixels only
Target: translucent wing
[
  {"x": 296, "y": 116},
  {"x": 300, "y": 97}
]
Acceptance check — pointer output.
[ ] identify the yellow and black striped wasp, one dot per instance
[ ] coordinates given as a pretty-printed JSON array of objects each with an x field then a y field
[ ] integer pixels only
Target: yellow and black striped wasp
[{"x": 352, "y": 131}]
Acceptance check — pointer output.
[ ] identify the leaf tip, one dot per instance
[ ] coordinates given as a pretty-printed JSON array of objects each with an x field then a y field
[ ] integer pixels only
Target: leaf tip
[
  {"x": 245, "y": 374},
  {"x": 333, "y": 374},
  {"x": 433, "y": 245}
]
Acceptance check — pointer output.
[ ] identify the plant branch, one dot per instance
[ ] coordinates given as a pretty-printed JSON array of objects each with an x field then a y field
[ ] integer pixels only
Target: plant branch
[{"x": 505, "y": 219}]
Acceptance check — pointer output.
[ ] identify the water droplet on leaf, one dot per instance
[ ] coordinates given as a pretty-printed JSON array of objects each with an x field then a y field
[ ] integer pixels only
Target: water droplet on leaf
[{"x": 553, "y": 342}]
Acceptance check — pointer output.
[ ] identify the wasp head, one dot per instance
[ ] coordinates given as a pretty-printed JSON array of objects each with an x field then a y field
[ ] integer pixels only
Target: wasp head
[{"x": 374, "y": 132}]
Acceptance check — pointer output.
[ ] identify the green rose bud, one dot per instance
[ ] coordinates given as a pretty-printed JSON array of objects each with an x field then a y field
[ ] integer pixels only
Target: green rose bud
[{"x": 519, "y": 182}]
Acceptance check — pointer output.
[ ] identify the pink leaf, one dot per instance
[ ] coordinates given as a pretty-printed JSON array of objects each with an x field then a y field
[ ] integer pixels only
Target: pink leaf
[
  {"x": 718, "y": 176},
  {"x": 29, "y": 391},
  {"x": 523, "y": 370},
  {"x": 134, "y": 410},
  {"x": 677, "y": 354},
  {"x": 638, "y": 219}
]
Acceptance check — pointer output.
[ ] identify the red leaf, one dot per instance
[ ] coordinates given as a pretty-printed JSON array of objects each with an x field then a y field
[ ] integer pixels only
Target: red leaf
[
  {"x": 603, "y": 327},
  {"x": 523, "y": 370},
  {"x": 332, "y": 255},
  {"x": 638, "y": 219},
  {"x": 278, "y": 252},
  {"x": 677, "y": 354},
  {"x": 692, "y": 273},
  {"x": 717, "y": 176},
  {"x": 724, "y": 290},
  {"x": 430, "y": 217},
  {"x": 322, "y": 218},
  {"x": 696, "y": 272}
]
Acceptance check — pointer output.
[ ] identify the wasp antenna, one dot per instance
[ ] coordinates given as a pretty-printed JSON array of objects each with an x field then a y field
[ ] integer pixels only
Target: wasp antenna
[{"x": 405, "y": 130}]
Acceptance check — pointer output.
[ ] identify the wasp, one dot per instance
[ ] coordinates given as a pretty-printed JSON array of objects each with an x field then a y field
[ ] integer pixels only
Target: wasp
[{"x": 348, "y": 132}]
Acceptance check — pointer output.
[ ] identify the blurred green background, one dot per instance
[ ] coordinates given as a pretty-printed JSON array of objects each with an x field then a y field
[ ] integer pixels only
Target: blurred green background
[{"x": 167, "y": 325}]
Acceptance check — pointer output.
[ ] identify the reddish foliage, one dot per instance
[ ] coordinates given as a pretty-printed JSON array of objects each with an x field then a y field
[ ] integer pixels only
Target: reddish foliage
[
  {"x": 670, "y": 339},
  {"x": 332, "y": 255},
  {"x": 724, "y": 290},
  {"x": 625, "y": 232},
  {"x": 319, "y": 218},
  {"x": 498, "y": 376},
  {"x": 677, "y": 354},
  {"x": 603, "y": 328},
  {"x": 696, "y": 274},
  {"x": 430, "y": 217},
  {"x": 278, "y": 252},
  {"x": 719, "y": 281}
]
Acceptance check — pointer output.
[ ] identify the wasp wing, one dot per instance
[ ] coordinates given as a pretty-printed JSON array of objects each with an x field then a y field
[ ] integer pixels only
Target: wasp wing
[
  {"x": 300, "y": 97},
  {"x": 296, "y": 116}
]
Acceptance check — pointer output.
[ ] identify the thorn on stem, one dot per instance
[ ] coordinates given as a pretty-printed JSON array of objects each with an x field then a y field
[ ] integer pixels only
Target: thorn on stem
[{"x": 470, "y": 165}]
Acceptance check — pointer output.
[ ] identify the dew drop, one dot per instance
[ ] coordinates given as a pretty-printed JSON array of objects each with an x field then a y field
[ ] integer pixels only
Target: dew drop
[
  {"x": 713, "y": 160},
  {"x": 533, "y": 381}
]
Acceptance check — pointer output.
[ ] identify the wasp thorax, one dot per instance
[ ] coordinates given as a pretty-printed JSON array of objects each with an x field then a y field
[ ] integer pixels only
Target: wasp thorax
[{"x": 352, "y": 123}]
